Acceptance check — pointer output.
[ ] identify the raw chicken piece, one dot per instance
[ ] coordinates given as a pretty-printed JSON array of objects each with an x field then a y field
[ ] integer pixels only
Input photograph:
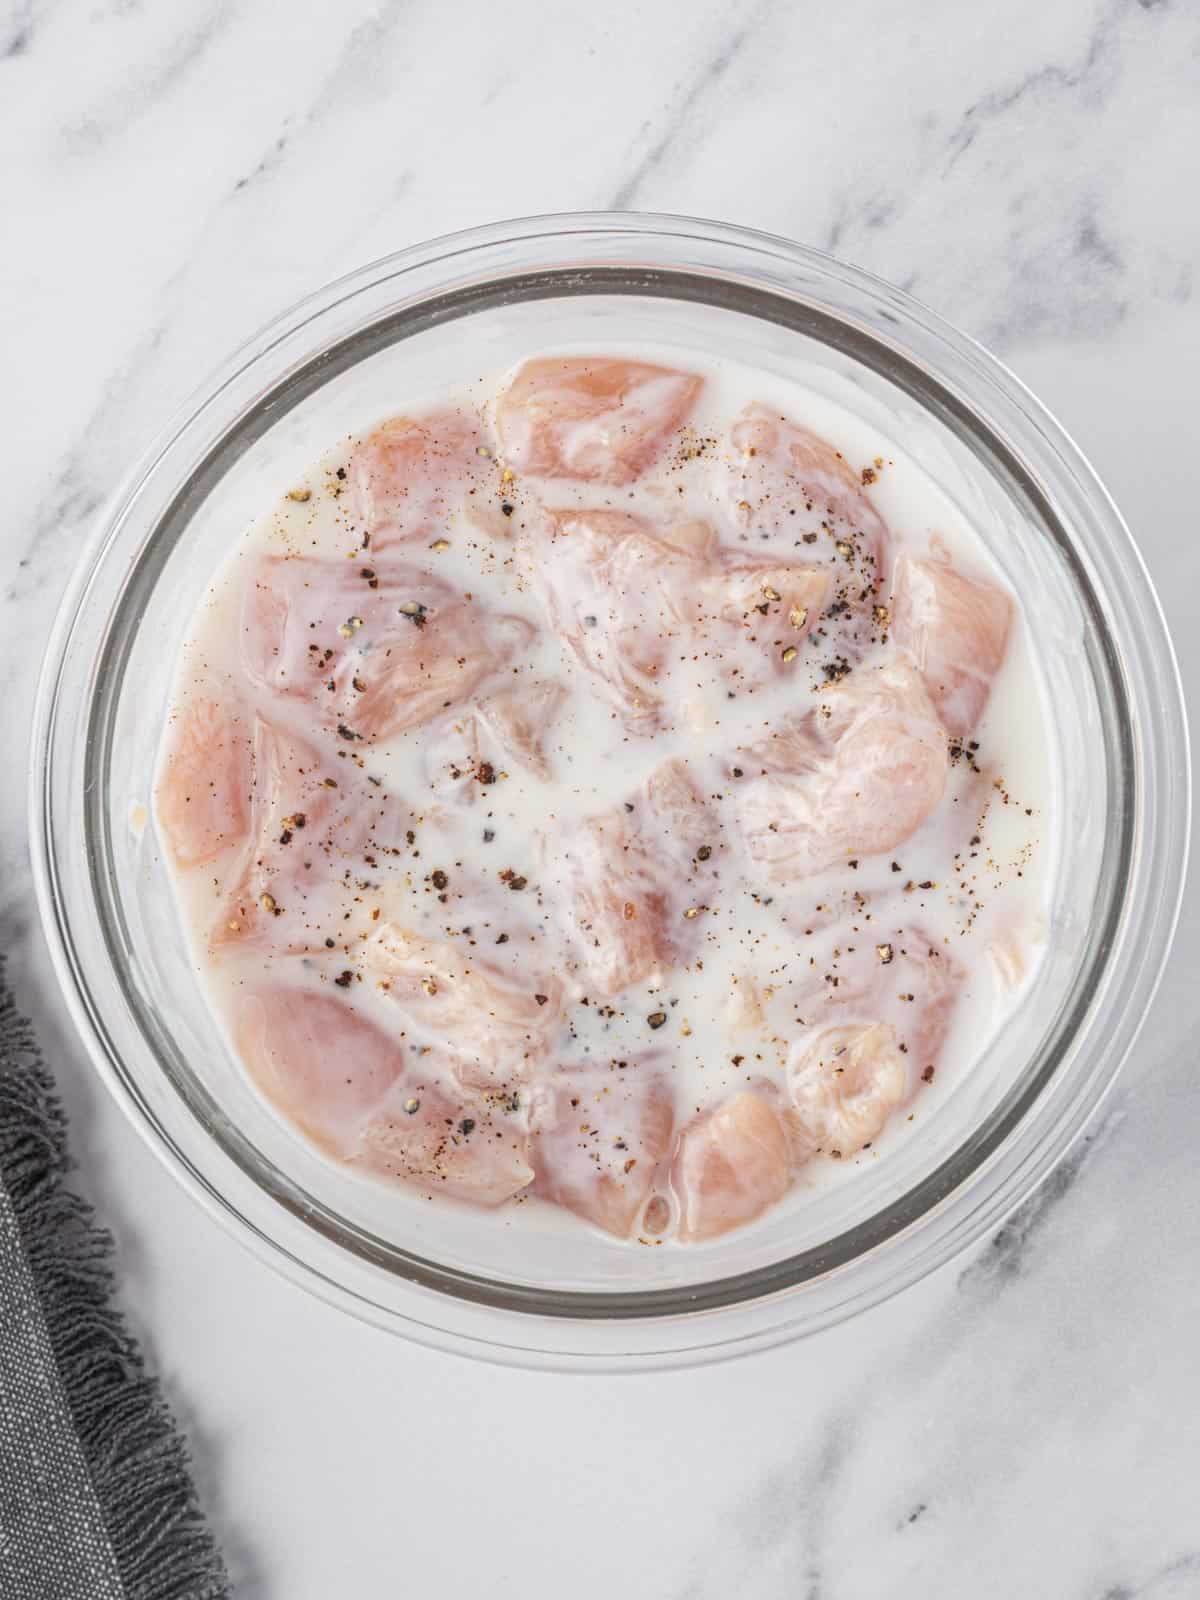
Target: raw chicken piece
[
  {"x": 731, "y": 1163},
  {"x": 316, "y": 1059},
  {"x": 620, "y": 594},
  {"x": 412, "y": 474},
  {"x": 1012, "y": 951},
  {"x": 858, "y": 778},
  {"x": 1008, "y": 962},
  {"x": 496, "y": 1014},
  {"x": 591, "y": 417},
  {"x": 956, "y": 629},
  {"x": 846, "y": 1083},
  {"x": 772, "y": 607},
  {"x": 745, "y": 1007},
  {"x": 430, "y": 1134},
  {"x": 507, "y": 728},
  {"x": 629, "y": 597},
  {"x": 673, "y": 818},
  {"x": 301, "y": 882},
  {"x": 599, "y": 1133},
  {"x": 788, "y": 488},
  {"x": 347, "y": 1085},
  {"x": 783, "y": 481},
  {"x": 202, "y": 801},
  {"x": 373, "y": 650},
  {"x": 520, "y": 718},
  {"x": 625, "y": 882},
  {"x": 876, "y": 1036}
]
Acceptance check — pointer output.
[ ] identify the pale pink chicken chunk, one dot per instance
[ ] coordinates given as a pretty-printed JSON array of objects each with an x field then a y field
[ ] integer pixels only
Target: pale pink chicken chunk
[
  {"x": 783, "y": 481},
  {"x": 1012, "y": 950},
  {"x": 372, "y": 650},
  {"x": 357, "y": 1095},
  {"x": 858, "y": 778},
  {"x": 408, "y": 478},
  {"x": 956, "y": 629},
  {"x": 473, "y": 1146},
  {"x": 620, "y": 595},
  {"x": 496, "y": 1013},
  {"x": 520, "y": 719},
  {"x": 591, "y": 417},
  {"x": 875, "y": 1036},
  {"x": 318, "y": 1061},
  {"x": 202, "y": 801},
  {"x": 510, "y": 727},
  {"x": 1008, "y": 963},
  {"x": 625, "y": 882},
  {"x": 846, "y": 1082},
  {"x": 731, "y": 1163},
  {"x": 786, "y": 488},
  {"x": 317, "y": 824},
  {"x": 599, "y": 1133},
  {"x": 772, "y": 607},
  {"x": 628, "y": 596}
]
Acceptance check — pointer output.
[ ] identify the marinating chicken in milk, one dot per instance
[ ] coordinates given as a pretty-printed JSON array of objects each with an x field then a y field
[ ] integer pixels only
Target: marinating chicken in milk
[{"x": 607, "y": 791}]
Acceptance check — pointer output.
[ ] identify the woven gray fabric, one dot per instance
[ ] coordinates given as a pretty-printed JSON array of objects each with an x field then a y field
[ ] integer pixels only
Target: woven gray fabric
[
  {"x": 52, "y": 1537},
  {"x": 96, "y": 1501}
]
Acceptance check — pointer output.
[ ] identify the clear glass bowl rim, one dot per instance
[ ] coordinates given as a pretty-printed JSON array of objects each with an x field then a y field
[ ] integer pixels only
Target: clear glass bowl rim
[{"x": 1158, "y": 822}]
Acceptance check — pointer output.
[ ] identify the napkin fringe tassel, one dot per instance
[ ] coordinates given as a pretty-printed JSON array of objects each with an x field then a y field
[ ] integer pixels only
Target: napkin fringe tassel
[{"x": 136, "y": 1457}]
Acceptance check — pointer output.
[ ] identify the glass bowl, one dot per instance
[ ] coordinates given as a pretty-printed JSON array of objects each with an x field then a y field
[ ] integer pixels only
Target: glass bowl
[{"x": 509, "y": 1292}]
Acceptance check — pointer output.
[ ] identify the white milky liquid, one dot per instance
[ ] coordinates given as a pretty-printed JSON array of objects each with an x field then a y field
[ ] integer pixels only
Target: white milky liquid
[{"x": 730, "y": 1013}]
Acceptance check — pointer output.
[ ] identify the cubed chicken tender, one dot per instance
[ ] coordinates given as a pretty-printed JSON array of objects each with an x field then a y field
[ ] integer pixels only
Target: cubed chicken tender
[
  {"x": 591, "y": 417},
  {"x": 409, "y": 477},
  {"x": 370, "y": 655},
  {"x": 956, "y": 629},
  {"x": 317, "y": 1060},
  {"x": 858, "y": 778},
  {"x": 314, "y": 820},
  {"x": 628, "y": 596},
  {"x": 446, "y": 1141},
  {"x": 625, "y": 882},
  {"x": 202, "y": 800},
  {"x": 781, "y": 480},
  {"x": 731, "y": 1163},
  {"x": 511, "y": 727},
  {"x": 874, "y": 1038},
  {"x": 620, "y": 594},
  {"x": 497, "y": 1014},
  {"x": 599, "y": 1133},
  {"x": 351, "y": 1088},
  {"x": 773, "y": 607}
]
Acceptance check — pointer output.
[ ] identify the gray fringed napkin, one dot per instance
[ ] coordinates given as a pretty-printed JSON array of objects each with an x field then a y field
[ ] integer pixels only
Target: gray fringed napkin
[{"x": 96, "y": 1501}]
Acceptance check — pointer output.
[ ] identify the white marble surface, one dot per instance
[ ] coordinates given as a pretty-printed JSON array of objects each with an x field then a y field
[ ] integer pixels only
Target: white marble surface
[{"x": 1023, "y": 1425}]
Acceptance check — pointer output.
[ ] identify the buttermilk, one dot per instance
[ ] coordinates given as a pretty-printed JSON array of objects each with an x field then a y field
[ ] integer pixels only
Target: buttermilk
[{"x": 617, "y": 784}]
